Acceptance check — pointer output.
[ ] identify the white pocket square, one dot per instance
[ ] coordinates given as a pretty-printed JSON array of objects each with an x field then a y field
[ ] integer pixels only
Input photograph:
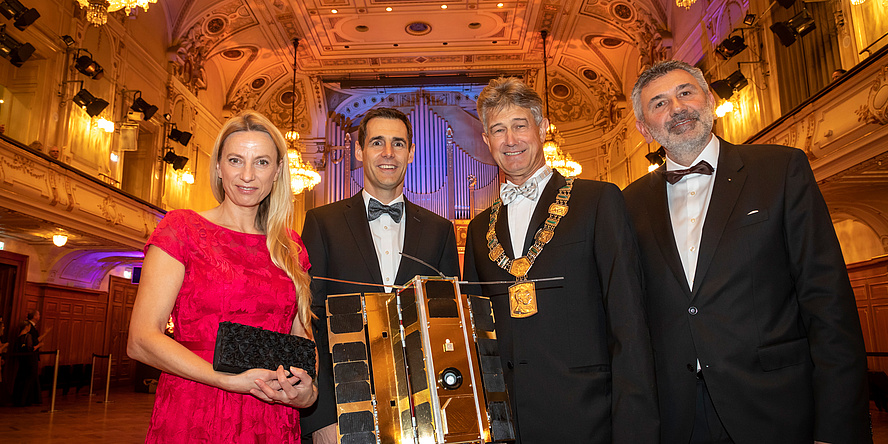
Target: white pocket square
[{"x": 752, "y": 212}]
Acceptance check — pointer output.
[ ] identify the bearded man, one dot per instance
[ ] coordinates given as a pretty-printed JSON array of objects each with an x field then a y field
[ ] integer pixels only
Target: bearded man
[{"x": 753, "y": 321}]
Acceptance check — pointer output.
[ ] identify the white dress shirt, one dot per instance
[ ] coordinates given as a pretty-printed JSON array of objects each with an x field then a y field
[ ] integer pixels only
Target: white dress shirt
[
  {"x": 522, "y": 208},
  {"x": 688, "y": 201},
  {"x": 388, "y": 238}
]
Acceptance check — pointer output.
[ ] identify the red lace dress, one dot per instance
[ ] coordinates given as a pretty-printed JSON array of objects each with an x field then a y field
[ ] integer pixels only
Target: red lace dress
[{"x": 229, "y": 276}]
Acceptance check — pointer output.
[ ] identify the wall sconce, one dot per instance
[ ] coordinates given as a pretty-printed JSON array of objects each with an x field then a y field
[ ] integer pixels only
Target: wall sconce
[
  {"x": 799, "y": 25},
  {"x": 17, "y": 52},
  {"x": 87, "y": 66},
  {"x": 59, "y": 240},
  {"x": 178, "y": 162},
  {"x": 143, "y": 109},
  {"x": 327, "y": 153},
  {"x": 21, "y": 15},
  {"x": 730, "y": 47},
  {"x": 90, "y": 103},
  {"x": 725, "y": 88},
  {"x": 182, "y": 137}
]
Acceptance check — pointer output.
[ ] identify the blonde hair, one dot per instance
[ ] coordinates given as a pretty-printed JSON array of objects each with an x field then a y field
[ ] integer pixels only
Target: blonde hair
[{"x": 275, "y": 214}]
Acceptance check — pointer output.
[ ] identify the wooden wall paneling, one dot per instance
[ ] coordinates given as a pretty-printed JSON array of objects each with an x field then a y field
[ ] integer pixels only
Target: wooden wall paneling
[
  {"x": 869, "y": 280},
  {"x": 122, "y": 295}
]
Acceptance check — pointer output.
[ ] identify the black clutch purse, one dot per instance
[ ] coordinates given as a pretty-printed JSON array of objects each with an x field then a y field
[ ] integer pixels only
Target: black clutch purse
[{"x": 242, "y": 347}]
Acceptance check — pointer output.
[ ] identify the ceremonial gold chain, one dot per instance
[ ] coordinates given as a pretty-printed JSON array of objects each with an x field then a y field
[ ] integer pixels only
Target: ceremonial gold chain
[{"x": 520, "y": 266}]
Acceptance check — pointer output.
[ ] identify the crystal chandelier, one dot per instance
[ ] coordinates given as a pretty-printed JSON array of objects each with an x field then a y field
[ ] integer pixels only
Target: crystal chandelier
[
  {"x": 685, "y": 3},
  {"x": 555, "y": 158},
  {"x": 302, "y": 176},
  {"x": 97, "y": 10}
]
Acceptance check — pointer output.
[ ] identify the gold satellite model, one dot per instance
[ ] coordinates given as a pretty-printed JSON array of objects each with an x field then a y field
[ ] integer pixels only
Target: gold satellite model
[{"x": 417, "y": 366}]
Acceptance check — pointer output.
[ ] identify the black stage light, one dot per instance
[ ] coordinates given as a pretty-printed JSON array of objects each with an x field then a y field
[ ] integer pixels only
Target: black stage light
[
  {"x": 17, "y": 52},
  {"x": 90, "y": 103},
  {"x": 89, "y": 67},
  {"x": 182, "y": 137},
  {"x": 730, "y": 47},
  {"x": 68, "y": 40},
  {"x": 656, "y": 157},
  {"x": 170, "y": 156},
  {"x": 749, "y": 19},
  {"x": 180, "y": 162},
  {"x": 96, "y": 107},
  {"x": 799, "y": 25},
  {"x": 21, "y": 15},
  {"x": 786, "y": 3},
  {"x": 734, "y": 82},
  {"x": 141, "y": 106}
]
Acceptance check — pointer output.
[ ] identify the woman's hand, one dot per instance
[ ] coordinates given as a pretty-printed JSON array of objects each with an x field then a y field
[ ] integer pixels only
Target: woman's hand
[{"x": 296, "y": 391}]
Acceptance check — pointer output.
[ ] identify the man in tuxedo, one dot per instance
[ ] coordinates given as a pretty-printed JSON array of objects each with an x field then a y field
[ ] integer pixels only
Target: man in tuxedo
[
  {"x": 575, "y": 352},
  {"x": 755, "y": 330},
  {"x": 360, "y": 239}
]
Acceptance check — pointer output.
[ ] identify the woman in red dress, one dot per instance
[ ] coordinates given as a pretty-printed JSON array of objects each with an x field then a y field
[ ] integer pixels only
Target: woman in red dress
[{"x": 236, "y": 262}]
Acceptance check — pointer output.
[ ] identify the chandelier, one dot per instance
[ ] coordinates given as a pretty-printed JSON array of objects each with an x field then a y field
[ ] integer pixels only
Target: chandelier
[
  {"x": 302, "y": 176},
  {"x": 97, "y": 10},
  {"x": 555, "y": 158},
  {"x": 685, "y": 3}
]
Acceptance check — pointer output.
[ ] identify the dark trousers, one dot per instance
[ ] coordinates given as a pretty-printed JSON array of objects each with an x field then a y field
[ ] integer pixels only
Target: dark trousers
[{"x": 708, "y": 428}]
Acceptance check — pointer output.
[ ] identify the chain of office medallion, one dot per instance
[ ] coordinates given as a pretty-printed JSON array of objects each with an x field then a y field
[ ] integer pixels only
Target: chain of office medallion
[{"x": 520, "y": 266}]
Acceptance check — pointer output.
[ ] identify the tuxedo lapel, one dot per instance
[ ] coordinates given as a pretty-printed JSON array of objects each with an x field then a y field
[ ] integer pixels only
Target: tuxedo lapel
[
  {"x": 729, "y": 179},
  {"x": 502, "y": 231},
  {"x": 541, "y": 211},
  {"x": 661, "y": 225},
  {"x": 356, "y": 218},
  {"x": 413, "y": 228}
]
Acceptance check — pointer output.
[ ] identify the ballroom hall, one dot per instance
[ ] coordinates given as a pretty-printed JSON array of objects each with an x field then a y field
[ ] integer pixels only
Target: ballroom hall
[{"x": 109, "y": 111}]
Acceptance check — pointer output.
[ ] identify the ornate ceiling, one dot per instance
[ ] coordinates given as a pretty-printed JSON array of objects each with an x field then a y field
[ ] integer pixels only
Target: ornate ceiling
[{"x": 243, "y": 52}]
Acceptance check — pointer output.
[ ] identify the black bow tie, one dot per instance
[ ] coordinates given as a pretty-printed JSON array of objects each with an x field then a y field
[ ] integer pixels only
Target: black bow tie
[
  {"x": 703, "y": 167},
  {"x": 375, "y": 209}
]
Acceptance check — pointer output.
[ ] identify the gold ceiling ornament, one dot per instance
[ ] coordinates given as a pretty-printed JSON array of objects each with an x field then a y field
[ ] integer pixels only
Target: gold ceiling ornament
[
  {"x": 860, "y": 2},
  {"x": 685, "y": 3},
  {"x": 303, "y": 176},
  {"x": 97, "y": 10},
  {"x": 555, "y": 158}
]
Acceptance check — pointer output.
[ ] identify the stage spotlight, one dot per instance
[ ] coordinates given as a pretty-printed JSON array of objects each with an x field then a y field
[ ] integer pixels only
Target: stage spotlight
[
  {"x": 730, "y": 47},
  {"x": 656, "y": 158},
  {"x": 786, "y": 3},
  {"x": 749, "y": 19},
  {"x": 141, "y": 106},
  {"x": 734, "y": 82},
  {"x": 17, "y": 52},
  {"x": 799, "y": 25},
  {"x": 182, "y": 137},
  {"x": 68, "y": 40},
  {"x": 21, "y": 15},
  {"x": 178, "y": 162},
  {"x": 170, "y": 156},
  {"x": 89, "y": 67},
  {"x": 90, "y": 103}
]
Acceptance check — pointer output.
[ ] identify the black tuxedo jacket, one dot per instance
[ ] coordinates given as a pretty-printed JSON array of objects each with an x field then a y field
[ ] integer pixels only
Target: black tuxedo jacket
[
  {"x": 340, "y": 246},
  {"x": 771, "y": 317},
  {"x": 581, "y": 369}
]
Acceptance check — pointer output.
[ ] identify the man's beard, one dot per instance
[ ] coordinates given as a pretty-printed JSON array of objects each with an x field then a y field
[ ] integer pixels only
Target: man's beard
[{"x": 691, "y": 138}]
